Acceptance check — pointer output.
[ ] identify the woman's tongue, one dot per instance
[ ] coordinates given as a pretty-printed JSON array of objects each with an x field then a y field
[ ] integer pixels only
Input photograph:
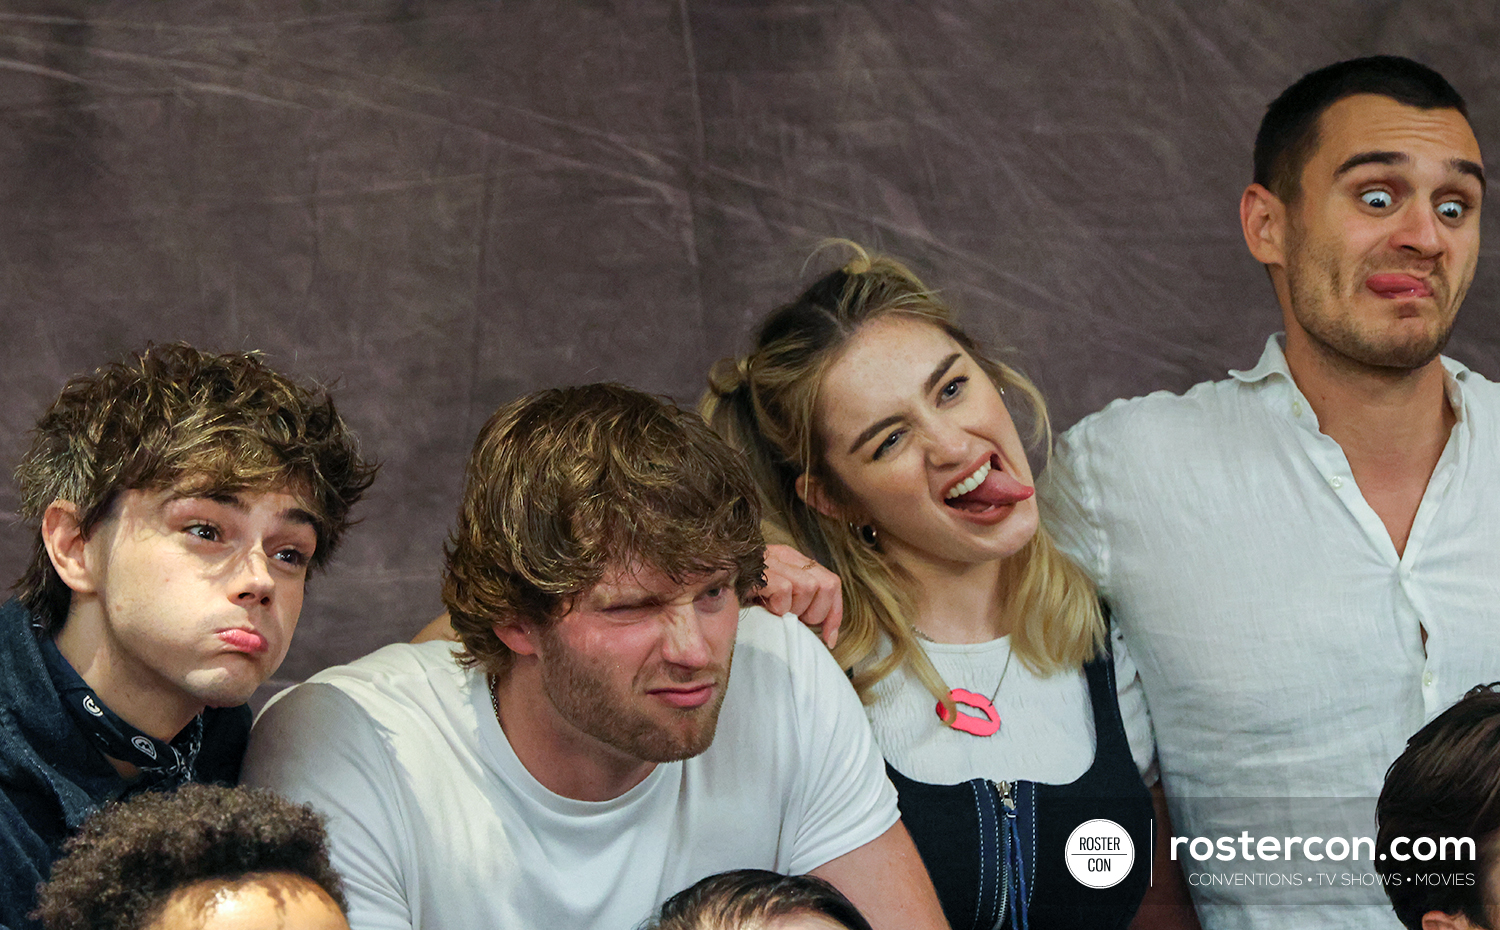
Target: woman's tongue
[{"x": 997, "y": 489}]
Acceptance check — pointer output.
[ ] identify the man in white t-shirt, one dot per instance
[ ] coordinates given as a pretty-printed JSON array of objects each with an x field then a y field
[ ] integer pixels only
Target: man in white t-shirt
[
  {"x": 583, "y": 754},
  {"x": 1303, "y": 558}
]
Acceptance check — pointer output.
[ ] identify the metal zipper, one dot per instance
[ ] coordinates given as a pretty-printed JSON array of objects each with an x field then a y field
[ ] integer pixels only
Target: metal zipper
[{"x": 1007, "y": 794}]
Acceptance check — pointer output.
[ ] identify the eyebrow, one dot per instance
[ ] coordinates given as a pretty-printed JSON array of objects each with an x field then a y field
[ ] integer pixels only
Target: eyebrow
[
  {"x": 1461, "y": 165},
  {"x": 642, "y": 598},
  {"x": 932, "y": 381},
  {"x": 235, "y": 502}
]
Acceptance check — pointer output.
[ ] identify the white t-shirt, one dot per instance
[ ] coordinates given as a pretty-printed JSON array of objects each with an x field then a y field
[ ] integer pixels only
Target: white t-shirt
[
  {"x": 1277, "y": 632},
  {"x": 435, "y": 823},
  {"x": 1046, "y": 723}
]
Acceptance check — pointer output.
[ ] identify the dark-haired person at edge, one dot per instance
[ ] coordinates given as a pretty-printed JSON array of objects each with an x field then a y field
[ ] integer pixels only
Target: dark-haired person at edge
[
  {"x": 1445, "y": 789},
  {"x": 882, "y": 445},
  {"x": 1303, "y": 558},
  {"x": 203, "y": 857},
  {"x": 755, "y": 899},
  {"x": 585, "y": 752},
  {"x": 181, "y": 499}
]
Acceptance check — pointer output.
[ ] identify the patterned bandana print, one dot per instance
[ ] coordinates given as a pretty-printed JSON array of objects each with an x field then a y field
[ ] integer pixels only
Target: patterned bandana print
[{"x": 167, "y": 764}]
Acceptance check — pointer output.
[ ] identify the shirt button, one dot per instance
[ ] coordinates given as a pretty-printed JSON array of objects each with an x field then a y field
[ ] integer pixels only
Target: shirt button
[
  {"x": 1296, "y": 408},
  {"x": 1427, "y": 679},
  {"x": 1335, "y": 482}
]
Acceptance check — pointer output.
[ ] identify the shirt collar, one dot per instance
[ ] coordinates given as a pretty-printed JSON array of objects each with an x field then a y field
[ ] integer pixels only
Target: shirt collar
[{"x": 1273, "y": 362}]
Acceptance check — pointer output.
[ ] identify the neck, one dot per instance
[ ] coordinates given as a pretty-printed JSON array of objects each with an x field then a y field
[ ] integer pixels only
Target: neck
[
  {"x": 563, "y": 759},
  {"x": 958, "y": 603},
  {"x": 1391, "y": 424},
  {"x": 137, "y": 696}
]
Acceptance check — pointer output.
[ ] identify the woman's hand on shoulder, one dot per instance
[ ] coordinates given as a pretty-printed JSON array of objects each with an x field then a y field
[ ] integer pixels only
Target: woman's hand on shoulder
[{"x": 797, "y": 584}]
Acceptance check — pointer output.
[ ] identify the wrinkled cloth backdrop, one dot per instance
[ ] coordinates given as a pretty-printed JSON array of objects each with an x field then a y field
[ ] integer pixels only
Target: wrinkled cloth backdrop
[{"x": 440, "y": 205}]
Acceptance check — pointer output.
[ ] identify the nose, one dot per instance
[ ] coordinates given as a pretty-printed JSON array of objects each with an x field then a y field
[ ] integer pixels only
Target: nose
[
  {"x": 254, "y": 583},
  {"x": 1419, "y": 231},
  {"x": 683, "y": 642},
  {"x": 947, "y": 442}
]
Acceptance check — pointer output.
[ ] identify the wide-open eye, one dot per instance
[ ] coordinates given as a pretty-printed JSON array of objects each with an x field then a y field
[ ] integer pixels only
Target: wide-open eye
[
  {"x": 1451, "y": 209},
  {"x": 1377, "y": 198}
]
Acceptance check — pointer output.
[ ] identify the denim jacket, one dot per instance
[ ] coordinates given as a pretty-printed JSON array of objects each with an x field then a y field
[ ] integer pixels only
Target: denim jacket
[{"x": 52, "y": 777}]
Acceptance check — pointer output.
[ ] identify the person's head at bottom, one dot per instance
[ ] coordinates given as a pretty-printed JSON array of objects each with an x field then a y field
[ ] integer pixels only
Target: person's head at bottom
[
  {"x": 201, "y": 858},
  {"x": 1439, "y": 817},
  {"x": 755, "y": 899}
]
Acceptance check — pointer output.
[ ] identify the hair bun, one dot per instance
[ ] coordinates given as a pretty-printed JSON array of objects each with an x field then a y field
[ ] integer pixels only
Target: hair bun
[
  {"x": 729, "y": 375},
  {"x": 859, "y": 264}
]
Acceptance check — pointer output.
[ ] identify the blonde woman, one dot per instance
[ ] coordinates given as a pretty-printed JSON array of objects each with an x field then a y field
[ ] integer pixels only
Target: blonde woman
[{"x": 881, "y": 440}]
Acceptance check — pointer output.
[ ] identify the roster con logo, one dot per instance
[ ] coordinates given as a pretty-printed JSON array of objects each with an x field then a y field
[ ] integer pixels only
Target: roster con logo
[{"x": 1100, "y": 853}]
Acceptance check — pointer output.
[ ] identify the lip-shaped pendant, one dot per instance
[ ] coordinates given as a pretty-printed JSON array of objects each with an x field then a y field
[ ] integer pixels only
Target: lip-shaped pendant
[{"x": 968, "y": 723}]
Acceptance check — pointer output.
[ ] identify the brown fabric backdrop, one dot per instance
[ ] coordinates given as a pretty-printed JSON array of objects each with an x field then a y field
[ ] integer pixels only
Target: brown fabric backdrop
[{"x": 440, "y": 205}]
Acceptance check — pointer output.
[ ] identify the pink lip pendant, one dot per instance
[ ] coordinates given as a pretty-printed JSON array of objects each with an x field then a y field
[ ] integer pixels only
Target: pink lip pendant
[{"x": 968, "y": 723}]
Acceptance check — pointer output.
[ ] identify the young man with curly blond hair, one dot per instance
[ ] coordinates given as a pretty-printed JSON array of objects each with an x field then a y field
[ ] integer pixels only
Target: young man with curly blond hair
[
  {"x": 588, "y": 753},
  {"x": 181, "y": 499}
]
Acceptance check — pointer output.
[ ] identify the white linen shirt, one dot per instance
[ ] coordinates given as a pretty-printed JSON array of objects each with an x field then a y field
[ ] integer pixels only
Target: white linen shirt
[{"x": 1277, "y": 633}]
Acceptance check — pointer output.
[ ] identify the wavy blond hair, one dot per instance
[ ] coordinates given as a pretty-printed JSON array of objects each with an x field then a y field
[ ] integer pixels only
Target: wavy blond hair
[{"x": 764, "y": 404}]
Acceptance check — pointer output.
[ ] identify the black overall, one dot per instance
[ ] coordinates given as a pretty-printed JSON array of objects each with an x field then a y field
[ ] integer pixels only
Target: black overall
[{"x": 956, "y": 830}]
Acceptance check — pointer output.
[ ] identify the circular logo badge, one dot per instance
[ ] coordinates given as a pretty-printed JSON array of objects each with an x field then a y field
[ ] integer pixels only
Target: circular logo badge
[{"x": 1100, "y": 853}]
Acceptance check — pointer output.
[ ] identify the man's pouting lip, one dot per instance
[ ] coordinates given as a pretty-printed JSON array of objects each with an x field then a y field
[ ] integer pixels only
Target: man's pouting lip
[
  {"x": 243, "y": 640},
  {"x": 1398, "y": 286},
  {"x": 685, "y": 696}
]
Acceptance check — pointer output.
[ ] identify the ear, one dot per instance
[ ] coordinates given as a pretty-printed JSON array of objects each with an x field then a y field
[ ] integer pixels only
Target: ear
[
  {"x": 812, "y": 494},
  {"x": 67, "y": 546},
  {"x": 1437, "y": 920},
  {"x": 1263, "y": 220},
  {"x": 518, "y": 636}
]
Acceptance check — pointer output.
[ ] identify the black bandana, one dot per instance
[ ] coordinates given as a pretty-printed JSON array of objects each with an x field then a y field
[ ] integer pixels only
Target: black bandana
[{"x": 164, "y": 764}]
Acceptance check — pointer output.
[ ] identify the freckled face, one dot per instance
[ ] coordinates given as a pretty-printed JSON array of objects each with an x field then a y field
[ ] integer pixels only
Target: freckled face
[
  {"x": 1383, "y": 237},
  {"x": 199, "y": 596},
  {"x": 908, "y": 423}
]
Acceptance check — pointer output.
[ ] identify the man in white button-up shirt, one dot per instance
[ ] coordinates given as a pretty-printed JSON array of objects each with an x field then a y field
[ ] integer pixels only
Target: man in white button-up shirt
[{"x": 1304, "y": 559}]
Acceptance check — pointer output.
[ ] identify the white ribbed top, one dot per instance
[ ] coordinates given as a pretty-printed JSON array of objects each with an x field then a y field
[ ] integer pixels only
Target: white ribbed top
[{"x": 1046, "y": 724}]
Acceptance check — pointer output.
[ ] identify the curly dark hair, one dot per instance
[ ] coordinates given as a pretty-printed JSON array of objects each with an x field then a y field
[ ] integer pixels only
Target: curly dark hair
[
  {"x": 754, "y": 898},
  {"x": 565, "y": 483},
  {"x": 173, "y": 416},
  {"x": 127, "y": 860}
]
